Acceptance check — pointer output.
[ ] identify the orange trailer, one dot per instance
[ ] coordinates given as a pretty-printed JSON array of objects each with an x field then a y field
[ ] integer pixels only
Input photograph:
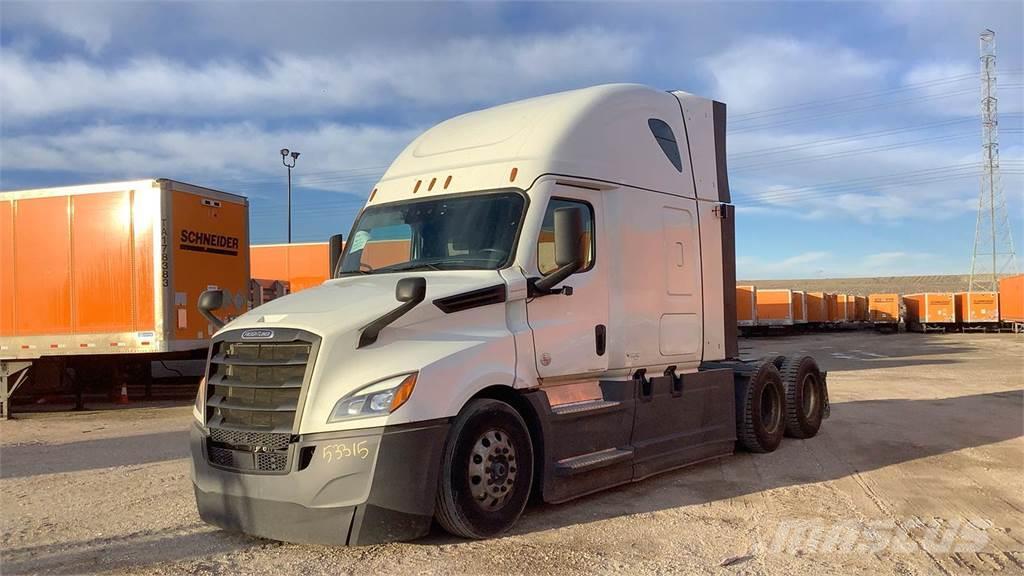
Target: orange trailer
[
  {"x": 300, "y": 265},
  {"x": 1011, "y": 301},
  {"x": 116, "y": 268},
  {"x": 836, "y": 308},
  {"x": 799, "y": 307},
  {"x": 930, "y": 310},
  {"x": 861, "y": 306},
  {"x": 850, "y": 302},
  {"x": 817, "y": 307},
  {"x": 746, "y": 305},
  {"x": 977, "y": 308},
  {"x": 775, "y": 307},
  {"x": 884, "y": 310}
]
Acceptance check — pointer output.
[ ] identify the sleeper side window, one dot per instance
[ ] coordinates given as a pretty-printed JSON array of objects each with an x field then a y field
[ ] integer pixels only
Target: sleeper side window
[
  {"x": 667, "y": 140},
  {"x": 546, "y": 243}
]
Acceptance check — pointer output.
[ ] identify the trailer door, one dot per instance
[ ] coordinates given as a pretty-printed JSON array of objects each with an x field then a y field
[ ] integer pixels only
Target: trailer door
[{"x": 569, "y": 332}]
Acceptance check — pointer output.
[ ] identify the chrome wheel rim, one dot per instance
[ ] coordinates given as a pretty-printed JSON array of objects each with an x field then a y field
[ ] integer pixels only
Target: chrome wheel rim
[{"x": 492, "y": 469}]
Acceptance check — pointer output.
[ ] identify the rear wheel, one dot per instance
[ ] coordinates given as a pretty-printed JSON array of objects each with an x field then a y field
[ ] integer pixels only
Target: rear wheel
[
  {"x": 487, "y": 470},
  {"x": 761, "y": 410},
  {"x": 805, "y": 396}
]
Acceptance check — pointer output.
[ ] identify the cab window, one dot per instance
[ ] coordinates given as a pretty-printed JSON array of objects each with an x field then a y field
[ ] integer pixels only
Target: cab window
[{"x": 546, "y": 242}]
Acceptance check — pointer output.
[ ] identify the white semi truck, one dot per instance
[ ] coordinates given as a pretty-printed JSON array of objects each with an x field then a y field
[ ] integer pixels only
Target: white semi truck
[{"x": 537, "y": 298}]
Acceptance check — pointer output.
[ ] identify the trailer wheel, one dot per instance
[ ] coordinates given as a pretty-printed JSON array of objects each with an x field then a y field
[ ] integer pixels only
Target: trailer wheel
[
  {"x": 805, "y": 398},
  {"x": 487, "y": 470},
  {"x": 761, "y": 410}
]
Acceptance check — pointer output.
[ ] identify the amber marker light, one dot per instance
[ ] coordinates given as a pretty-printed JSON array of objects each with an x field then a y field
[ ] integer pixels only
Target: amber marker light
[{"x": 403, "y": 393}]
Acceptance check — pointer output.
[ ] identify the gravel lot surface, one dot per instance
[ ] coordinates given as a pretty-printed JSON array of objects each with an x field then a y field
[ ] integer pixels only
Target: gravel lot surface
[{"x": 920, "y": 470}]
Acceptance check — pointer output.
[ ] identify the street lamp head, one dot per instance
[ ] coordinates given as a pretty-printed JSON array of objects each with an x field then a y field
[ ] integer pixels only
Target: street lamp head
[
  {"x": 295, "y": 155},
  {"x": 284, "y": 152}
]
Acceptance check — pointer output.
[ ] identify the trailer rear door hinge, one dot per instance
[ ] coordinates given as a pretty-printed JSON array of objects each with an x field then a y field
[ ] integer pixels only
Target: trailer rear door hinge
[{"x": 720, "y": 211}]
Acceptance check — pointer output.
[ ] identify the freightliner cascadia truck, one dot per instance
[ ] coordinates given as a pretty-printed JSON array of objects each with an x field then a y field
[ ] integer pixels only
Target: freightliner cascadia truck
[{"x": 537, "y": 298}]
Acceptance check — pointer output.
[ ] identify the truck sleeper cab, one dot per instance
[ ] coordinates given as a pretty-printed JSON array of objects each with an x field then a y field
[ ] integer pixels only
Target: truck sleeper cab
[{"x": 537, "y": 297}]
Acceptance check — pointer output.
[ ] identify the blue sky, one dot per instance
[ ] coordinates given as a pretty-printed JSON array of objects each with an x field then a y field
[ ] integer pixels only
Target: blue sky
[{"x": 854, "y": 131}]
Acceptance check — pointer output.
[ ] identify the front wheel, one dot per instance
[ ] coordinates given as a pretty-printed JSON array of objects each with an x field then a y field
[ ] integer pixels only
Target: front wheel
[{"x": 487, "y": 470}]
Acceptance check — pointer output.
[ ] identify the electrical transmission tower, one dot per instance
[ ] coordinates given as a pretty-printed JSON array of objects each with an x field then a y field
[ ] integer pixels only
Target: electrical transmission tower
[{"x": 993, "y": 241}]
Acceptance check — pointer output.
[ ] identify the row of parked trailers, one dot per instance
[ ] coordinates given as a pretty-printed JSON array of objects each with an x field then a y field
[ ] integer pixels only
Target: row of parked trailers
[{"x": 767, "y": 308}]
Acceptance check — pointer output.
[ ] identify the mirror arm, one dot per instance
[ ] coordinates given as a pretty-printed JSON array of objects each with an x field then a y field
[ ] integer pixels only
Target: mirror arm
[
  {"x": 368, "y": 333},
  {"x": 545, "y": 286}
]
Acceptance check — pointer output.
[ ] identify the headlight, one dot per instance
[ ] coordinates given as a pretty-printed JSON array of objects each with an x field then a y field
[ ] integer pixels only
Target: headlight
[{"x": 383, "y": 397}]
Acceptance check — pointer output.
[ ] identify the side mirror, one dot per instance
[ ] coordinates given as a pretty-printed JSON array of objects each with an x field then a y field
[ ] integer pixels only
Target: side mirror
[
  {"x": 337, "y": 245},
  {"x": 568, "y": 236},
  {"x": 408, "y": 291},
  {"x": 209, "y": 301},
  {"x": 411, "y": 289},
  {"x": 568, "y": 249}
]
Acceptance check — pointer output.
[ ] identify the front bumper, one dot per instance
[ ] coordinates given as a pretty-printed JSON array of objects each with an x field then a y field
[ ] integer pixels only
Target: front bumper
[{"x": 333, "y": 495}]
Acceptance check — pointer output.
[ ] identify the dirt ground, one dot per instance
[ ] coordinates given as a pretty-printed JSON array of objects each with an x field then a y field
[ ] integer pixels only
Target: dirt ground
[{"x": 918, "y": 471}]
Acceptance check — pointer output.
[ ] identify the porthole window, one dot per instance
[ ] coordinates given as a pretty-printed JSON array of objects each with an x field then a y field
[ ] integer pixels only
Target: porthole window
[{"x": 667, "y": 140}]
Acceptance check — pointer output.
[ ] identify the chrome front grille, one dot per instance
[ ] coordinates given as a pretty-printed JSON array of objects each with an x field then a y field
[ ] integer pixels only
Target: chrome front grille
[{"x": 253, "y": 391}]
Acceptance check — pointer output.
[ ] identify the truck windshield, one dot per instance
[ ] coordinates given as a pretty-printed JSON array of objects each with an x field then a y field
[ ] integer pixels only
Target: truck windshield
[{"x": 468, "y": 232}]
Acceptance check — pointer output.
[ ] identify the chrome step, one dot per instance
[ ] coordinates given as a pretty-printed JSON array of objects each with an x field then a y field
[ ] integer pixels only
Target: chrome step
[
  {"x": 585, "y": 406},
  {"x": 594, "y": 460}
]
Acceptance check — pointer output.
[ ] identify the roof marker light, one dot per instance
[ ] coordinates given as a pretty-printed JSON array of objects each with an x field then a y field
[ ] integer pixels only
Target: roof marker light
[
  {"x": 447, "y": 181},
  {"x": 431, "y": 185},
  {"x": 372, "y": 194},
  {"x": 512, "y": 176},
  {"x": 417, "y": 187}
]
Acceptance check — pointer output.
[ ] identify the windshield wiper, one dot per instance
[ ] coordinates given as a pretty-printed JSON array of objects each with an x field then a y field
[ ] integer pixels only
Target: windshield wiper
[{"x": 407, "y": 266}]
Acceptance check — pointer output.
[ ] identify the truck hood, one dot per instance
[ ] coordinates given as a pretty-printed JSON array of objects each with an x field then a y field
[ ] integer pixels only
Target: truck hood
[{"x": 345, "y": 305}]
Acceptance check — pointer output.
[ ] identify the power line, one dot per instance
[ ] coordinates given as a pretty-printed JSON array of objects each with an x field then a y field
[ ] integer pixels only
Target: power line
[
  {"x": 779, "y": 110},
  {"x": 835, "y": 114},
  {"x": 846, "y": 153}
]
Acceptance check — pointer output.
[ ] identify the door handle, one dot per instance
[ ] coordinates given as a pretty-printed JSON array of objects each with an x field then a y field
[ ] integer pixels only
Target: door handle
[{"x": 600, "y": 339}]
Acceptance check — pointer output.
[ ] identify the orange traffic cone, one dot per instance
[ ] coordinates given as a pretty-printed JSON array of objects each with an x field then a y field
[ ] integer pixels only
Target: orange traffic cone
[{"x": 123, "y": 399}]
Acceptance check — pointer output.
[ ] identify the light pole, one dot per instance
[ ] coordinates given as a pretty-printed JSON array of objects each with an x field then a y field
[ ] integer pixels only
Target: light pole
[{"x": 285, "y": 154}]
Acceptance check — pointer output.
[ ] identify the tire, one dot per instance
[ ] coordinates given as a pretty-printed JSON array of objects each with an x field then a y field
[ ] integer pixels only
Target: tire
[
  {"x": 485, "y": 432},
  {"x": 805, "y": 396},
  {"x": 761, "y": 410}
]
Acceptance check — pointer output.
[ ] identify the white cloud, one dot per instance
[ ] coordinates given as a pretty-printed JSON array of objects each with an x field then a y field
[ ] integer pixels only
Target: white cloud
[
  {"x": 241, "y": 152},
  {"x": 762, "y": 72},
  {"x": 452, "y": 72}
]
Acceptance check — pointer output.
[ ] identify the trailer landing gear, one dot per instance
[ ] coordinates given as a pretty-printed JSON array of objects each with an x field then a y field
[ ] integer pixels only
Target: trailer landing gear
[{"x": 12, "y": 375}]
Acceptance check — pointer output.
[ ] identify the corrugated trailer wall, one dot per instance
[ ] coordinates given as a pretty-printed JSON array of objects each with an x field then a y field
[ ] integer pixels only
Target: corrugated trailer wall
[
  {"x": 1011, "y": 298},
  {"x": 977, "y": 307},
  {"x": 746, "y": 305},
  {"x": 301, "y": 265}
]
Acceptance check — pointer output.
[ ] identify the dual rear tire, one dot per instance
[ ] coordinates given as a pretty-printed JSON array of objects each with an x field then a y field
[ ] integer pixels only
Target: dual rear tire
[{"x": 785, "y": 396}]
